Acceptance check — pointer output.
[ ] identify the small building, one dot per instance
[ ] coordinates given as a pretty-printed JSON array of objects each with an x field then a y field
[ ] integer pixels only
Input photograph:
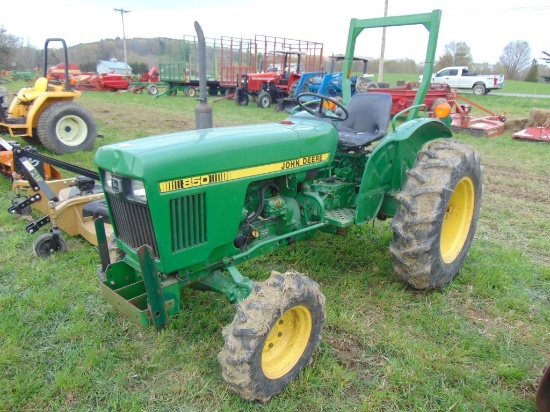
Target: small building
[{"x": 113, "y": 66}]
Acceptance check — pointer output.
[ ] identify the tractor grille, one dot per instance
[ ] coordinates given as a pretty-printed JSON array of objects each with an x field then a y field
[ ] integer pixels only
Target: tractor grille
[
  {"x": 133, "y": 223},
  {"x": 188, "y": 221}
]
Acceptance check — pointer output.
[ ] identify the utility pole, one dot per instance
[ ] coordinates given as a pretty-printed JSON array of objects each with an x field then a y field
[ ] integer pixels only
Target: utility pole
[
  {"x": 122, "y": 11},
  {"x": 381, "y": 64}
]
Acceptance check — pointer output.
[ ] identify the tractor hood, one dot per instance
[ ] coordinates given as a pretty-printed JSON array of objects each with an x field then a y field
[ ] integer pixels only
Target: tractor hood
[
  {"x": 264, "y": 77},
  {"x": 219, "y": 149}
]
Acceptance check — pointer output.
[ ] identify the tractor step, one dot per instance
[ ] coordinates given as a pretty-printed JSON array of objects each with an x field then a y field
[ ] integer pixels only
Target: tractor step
[{"x": 341, "y": 217}]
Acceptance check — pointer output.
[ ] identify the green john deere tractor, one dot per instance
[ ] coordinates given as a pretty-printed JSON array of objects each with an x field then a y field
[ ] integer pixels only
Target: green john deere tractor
[{"x": 187, "y": 208}]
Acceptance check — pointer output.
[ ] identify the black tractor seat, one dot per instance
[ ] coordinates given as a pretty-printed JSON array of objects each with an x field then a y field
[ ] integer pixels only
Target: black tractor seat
[{"x": 369, "y": 116}]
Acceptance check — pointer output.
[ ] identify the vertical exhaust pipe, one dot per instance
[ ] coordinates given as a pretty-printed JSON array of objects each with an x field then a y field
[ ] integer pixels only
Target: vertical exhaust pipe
[{"x": 203, "y": 112}]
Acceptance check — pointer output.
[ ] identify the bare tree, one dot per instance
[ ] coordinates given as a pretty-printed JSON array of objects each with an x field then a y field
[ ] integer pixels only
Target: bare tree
[
  {"x": 456, "y": 54},
  {"x": 515, "y": 58},
  {"x": 8, "y": 44}
]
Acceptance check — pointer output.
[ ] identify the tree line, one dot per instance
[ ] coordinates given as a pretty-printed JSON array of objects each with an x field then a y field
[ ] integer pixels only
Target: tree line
[{"x": 515, "y": 62}]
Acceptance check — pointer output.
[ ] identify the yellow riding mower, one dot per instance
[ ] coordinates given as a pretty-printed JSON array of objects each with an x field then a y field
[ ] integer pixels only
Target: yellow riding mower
[{"x": 46, "y": 113}]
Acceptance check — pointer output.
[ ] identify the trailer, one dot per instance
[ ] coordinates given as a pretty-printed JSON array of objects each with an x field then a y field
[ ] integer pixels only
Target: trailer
[
  {"x": 179, "y": 63},
  {"x": 229, "y": 61}
]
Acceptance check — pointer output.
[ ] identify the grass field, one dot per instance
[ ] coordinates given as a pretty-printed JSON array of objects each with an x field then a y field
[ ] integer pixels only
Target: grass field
[{"x": 479, "y": 345}]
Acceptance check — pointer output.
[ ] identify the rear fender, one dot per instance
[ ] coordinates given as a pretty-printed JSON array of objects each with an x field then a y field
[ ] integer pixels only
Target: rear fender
[
  {"x": 45, "y": 101},
  {"x": 385, "y": 170}
]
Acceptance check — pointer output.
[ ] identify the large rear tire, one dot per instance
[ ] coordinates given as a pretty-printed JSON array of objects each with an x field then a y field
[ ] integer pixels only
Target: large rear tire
[
  {"x": 66, "y": 127},
  {"x": 435, "y": 223},
  {"x": 273, "y": 335}
]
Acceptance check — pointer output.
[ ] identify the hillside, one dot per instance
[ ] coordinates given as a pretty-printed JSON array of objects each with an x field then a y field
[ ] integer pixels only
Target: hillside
[{"x": 139, "y": 50}]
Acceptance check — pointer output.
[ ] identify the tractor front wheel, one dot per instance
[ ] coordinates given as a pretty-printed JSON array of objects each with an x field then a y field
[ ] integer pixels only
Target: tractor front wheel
[
  {"x": 66, "y": 127},
  {"x": 435, "y": 223},
  {"x": 264, "y": 100},
  {"x": 273, "y": 335},
  {"x": 42, "y": 245}
]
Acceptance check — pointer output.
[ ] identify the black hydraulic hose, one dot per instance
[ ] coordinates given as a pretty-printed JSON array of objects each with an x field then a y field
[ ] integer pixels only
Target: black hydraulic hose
[{"x": 262, "y": 202}]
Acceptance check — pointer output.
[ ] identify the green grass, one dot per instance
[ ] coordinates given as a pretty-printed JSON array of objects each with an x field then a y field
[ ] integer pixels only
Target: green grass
[{"x": 479, "y": 345}]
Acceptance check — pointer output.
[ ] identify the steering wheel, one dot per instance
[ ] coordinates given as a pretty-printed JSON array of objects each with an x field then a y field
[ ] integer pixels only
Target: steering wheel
[{"x": 321, "y": 109}]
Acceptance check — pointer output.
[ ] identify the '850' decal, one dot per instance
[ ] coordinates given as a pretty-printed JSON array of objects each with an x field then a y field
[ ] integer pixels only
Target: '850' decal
[{"x": 194, "y": 181}]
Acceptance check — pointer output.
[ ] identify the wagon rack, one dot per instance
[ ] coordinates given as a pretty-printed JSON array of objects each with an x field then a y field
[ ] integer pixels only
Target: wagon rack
[
  {"x": 179, "y": 65},
  {"x": 228, "y": 61}
]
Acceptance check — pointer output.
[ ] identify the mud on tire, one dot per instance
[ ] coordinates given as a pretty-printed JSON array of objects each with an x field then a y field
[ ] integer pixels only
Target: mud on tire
[
  {"x": 273, "y": 335},
  {"x": 435, "y": 223}
]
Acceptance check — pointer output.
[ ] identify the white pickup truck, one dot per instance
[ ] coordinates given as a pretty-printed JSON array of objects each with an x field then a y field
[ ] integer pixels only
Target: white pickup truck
[{"x": 458, "y": 77}]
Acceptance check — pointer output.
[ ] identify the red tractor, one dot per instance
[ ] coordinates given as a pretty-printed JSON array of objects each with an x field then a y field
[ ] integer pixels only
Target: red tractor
[{"x": 276, "y": 83}]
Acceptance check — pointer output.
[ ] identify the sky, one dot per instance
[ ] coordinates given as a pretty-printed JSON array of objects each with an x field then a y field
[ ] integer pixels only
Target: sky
[{"x": 485, "y": 26}]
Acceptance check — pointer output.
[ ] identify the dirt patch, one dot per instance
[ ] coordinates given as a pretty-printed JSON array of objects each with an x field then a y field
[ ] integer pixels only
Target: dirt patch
[
  {"x": 135, "y": 121},
  {"x": 348, "y": 348},
  {"x": 511, "y": 182}
]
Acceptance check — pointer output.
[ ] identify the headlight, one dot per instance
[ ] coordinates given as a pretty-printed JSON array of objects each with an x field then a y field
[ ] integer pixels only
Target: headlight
[
  {"x": 108, "y": 179},
  {"x": 138, "y": 190}
]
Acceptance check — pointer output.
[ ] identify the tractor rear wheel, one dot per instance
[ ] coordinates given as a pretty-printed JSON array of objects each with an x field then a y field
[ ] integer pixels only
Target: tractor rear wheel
[
  {"x": 273, "y": 335},
  {"x": 66, "y": 127},
  {"x": 435, "y": 223}
]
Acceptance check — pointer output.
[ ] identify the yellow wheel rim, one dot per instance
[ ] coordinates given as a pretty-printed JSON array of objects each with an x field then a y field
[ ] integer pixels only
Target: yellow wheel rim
[
  {"x": 286, "y": 342},
  {"x": 458, "y": 218}
]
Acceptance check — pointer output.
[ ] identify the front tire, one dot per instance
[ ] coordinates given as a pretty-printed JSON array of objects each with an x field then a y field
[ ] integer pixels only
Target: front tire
[
  {"x": 66, "y": 127},
  {"x": 264, "y": 100},
  {"x": 435, "y": 223},
  {"x": 273, "y": 335},
  {"x": 42, "y": 245}
]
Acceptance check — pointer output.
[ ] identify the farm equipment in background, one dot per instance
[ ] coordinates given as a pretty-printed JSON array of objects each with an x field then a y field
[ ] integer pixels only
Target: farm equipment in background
[
  {"x": 328, "y": 84},
  {"x": 111, "y": 82},
  {"x": 47, "y": 113},
  {"x": 485, "y": 126},
  {"x": 272, "y": 85},
  {"x": 534, "y": 134},
  {"x": 403, "y": 96},
  {"x": 179, "y": 64},
  {"x": 284, "y": 62},
  {"x": 149, "y": 81},
  {"x": 69, "y": 205},
  {"x": 58, "y": 72},
  {"x": 537, "y": 127},
  {"x": 241, "y": 192}
]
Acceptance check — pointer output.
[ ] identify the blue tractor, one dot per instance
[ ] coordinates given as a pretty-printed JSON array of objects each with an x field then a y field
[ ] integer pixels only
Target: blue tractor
[{"x": 329, "y": 83}]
